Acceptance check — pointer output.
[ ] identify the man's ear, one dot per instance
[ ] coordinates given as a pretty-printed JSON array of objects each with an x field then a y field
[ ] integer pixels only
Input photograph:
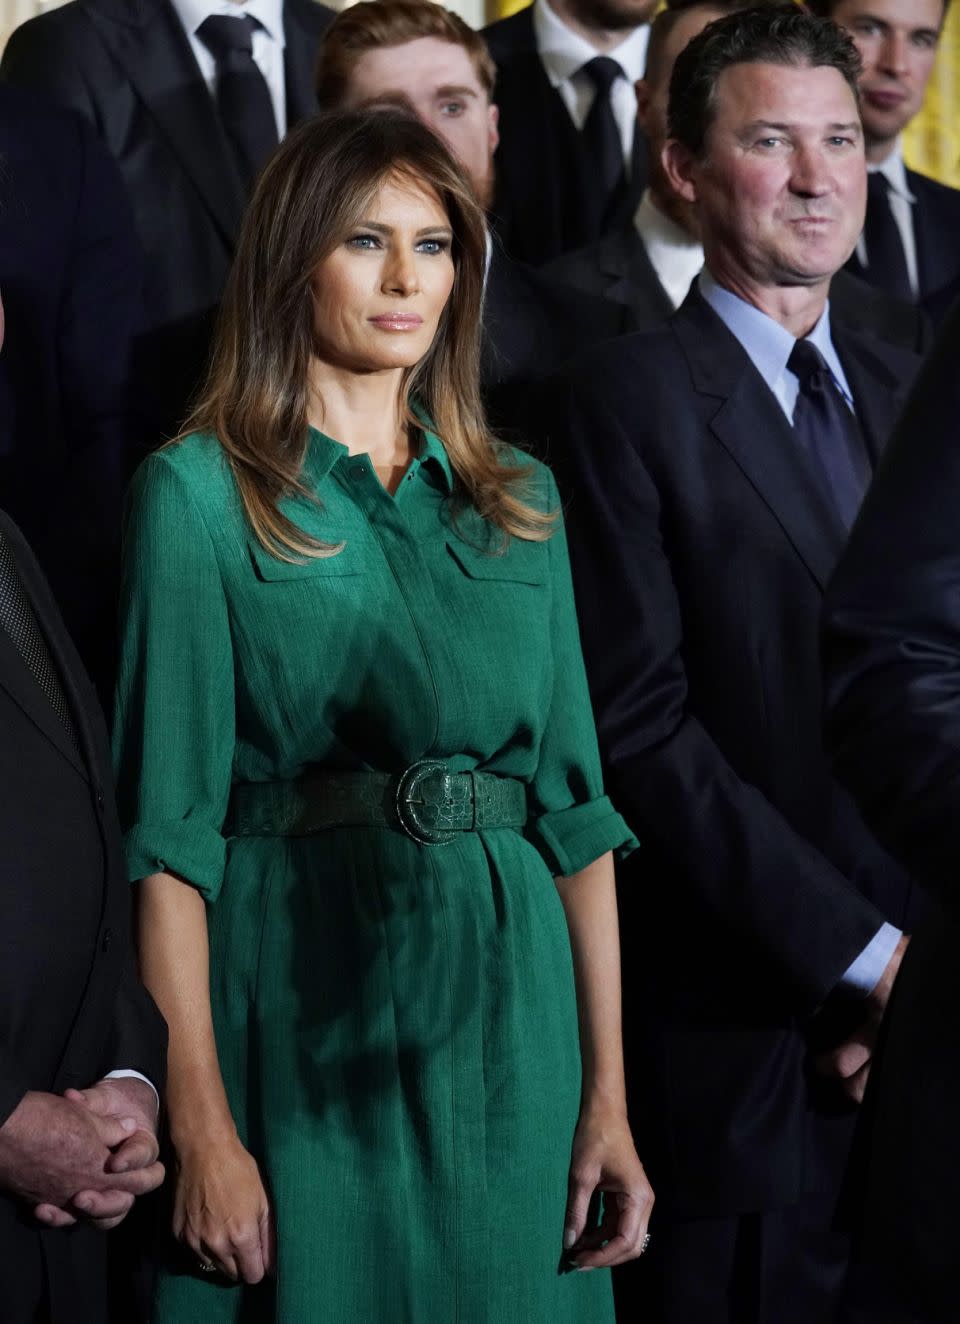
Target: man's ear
[
  {"x": 678, "y": 164},
  {"x": 493, "y": 127}
]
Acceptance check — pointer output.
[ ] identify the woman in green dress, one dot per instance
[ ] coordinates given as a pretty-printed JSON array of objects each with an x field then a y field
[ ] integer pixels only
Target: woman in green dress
[{"x": 360, "y": 783}]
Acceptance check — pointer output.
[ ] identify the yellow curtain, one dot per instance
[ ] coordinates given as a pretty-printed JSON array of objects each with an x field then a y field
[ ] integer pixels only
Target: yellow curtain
[{"x": 932, "y": 141}]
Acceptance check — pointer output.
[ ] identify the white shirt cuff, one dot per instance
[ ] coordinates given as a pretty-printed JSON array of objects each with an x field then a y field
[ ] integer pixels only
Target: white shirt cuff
[
  {"x": 135, "y": 1075},
  {"x": 865, "y": 973}
]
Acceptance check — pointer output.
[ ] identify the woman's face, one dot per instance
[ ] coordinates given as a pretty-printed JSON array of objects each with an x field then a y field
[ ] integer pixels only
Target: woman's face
[{"x": 379, "y": 295}]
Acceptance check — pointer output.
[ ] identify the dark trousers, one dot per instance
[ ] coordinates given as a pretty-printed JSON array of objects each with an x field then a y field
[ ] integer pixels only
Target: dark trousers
[{"x": 784, "y": 1266}]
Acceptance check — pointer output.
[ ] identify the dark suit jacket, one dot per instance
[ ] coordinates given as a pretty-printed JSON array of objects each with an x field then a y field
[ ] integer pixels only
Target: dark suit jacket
[
  {"x": 936, "y": 224},
  {"x": 892, "y": 648},
  {"x": 70, "y": 279},
  {"x": 531, "y": 327},
  {"x": 545, "y": 201},
  {"x": 702, "y": 541},
  {"x": 618, "y": 268},
  {"x": 70, "y": 1006},
  {"x": 127, "y": 66}
]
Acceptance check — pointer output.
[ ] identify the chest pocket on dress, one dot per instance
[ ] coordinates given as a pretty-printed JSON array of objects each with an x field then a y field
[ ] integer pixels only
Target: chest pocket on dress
[
  {"x": 522, "y": 563},
  {"x": 354, "y": 559}
]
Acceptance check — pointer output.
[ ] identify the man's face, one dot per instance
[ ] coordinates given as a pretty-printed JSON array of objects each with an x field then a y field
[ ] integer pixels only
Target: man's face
[
  {"x": 613, "y": 15},
  {"x": 897, "y": 41},
  {"x": 653, "y": 94},
  {"x": 780, "y": 190},
  {"x": 437, "y": 81}
]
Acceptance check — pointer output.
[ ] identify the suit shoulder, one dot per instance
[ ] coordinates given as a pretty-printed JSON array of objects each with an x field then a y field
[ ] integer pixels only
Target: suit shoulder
[
  {"x": 510, "y": 36},
  {"x": 640, "y": 361},
  {"x": 51, "y": 28},
  {"x": 933, "y": 191},
  {"x": 315, "y": 16}
]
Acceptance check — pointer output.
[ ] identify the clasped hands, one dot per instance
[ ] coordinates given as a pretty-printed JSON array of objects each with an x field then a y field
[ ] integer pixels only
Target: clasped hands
[{"x": 84, "y": 1156}]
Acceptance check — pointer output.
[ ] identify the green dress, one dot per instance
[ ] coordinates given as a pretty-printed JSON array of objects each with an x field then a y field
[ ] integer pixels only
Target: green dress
[{"x": 396, "y": 1023}]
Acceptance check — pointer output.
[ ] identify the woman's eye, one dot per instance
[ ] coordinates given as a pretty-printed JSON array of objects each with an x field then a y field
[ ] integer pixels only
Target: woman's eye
[
  {"x": 363, "y": 241},
  {"x": 432, "y": 246}
]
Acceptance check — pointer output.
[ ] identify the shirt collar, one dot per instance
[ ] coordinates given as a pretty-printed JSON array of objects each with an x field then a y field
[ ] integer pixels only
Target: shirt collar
[
  {"x": 767, "y": 343},
  {"x": 562, "y": 51},
  {"x": 323, "y": 453},
  {"x": 268, "y": 13},
  {"x": 894, "y": 172}
]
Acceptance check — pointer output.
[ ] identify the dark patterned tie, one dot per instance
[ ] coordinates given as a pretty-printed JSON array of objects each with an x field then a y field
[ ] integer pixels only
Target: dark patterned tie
[
  {"x": 886, "y": 260},
  {"x": 828, "y": 431},
  {"x": 601, "y": 134},
  {"x": 243, "y": 98},
  {"x": 18, "y": 619}
]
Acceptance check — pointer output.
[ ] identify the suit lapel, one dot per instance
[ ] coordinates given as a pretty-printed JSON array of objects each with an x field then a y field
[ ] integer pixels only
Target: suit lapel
[
  {"x": 629, "y": 275},
  {"x": 745, "y": 417},
  {"x": 148, "y": 42},
  {"x": 878, "y": 392}
]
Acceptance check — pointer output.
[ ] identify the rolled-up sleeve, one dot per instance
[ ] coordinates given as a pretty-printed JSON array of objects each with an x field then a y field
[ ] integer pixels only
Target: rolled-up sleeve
[
  {"x": 571, "y": 822},
  {"x": 174, "y": 723}
]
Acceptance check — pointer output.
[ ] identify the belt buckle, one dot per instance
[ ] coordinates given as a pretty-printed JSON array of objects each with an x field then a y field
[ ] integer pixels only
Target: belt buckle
[{"x": 409, "y": 785}]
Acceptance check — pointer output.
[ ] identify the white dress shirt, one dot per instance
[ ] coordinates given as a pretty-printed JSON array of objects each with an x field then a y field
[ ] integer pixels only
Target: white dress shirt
[
  {"x": 268, "y": 44},
  {"x": 902, "y": 202},
  {"x": 563, "y": 53},
  {"x": 675, "y": 255},
  {"x": 769, "y": 346}
]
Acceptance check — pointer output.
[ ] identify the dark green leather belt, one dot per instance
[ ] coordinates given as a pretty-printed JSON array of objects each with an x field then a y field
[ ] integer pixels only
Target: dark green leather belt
[{"x": 427, "y": 802}]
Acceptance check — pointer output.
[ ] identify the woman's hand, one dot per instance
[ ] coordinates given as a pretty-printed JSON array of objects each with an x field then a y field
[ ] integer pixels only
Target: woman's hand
[
  {"x": 604, "y": 1160},
  {"x": 221, "y": 1211}
]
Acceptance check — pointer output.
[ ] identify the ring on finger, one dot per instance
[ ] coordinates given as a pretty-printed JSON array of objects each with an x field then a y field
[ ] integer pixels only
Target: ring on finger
[
  {"x": 206, "y": 1267},
  {"x": 645, "y": 1243}
]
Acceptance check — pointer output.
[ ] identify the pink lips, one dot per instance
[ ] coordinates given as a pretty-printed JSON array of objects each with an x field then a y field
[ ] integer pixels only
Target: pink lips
[
  {"x": 398, "y": 321},
  {"x": 884, "y": 100}
]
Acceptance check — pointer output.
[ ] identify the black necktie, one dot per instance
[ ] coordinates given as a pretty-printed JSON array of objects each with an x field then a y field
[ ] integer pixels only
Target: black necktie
[
  {"x": 600, "y": 133},
  {"x": 827, "y": 429},
  {"x": 886, "y": 260},
  {"x": 18, "y": 619},
  {"x": 243, "y": 98}
]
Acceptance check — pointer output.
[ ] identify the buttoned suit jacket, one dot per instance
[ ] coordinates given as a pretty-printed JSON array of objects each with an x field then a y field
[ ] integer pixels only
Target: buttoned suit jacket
[
  {"x": 545, "y": 202},
  {"x": 618, "y": 267},
  {"x": 71, "y": 1008},
  {"x": 892, "y": 651},
  {"x": 127, "y": 65},
  {"x": 936, "y": 223},
  {"x": 702, "y": 541}
]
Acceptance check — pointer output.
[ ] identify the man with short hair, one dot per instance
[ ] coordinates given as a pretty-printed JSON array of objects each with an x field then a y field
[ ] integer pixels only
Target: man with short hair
[
  {"x": 714, "y": 467},
  {"x": 650, "y": 262},
  {"x": 571, "y": 165},
  {"x": 909, "y": 245},
  {"x": 421, "y": 57},
  {"x": 190, "y": 97}
]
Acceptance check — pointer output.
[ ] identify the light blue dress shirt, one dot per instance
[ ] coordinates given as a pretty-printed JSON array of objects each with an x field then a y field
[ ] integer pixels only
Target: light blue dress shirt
[{"x": 769, "y": 346}]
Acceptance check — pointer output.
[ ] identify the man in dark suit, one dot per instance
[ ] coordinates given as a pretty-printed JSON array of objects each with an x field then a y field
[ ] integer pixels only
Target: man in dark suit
[
  {"x": 190, "y": 109},
  {"x": 70, "y": 274},
  {"x": 713, "y": 468},
  {"x": 909, "y": 245},
  {"x": 80, "y": 1039},
  {"x": 570, "y": 166},
  {"x": 423, "y": 58},
  {"x": 651, "y": 261},
  {"x": 892, "y": 650}
]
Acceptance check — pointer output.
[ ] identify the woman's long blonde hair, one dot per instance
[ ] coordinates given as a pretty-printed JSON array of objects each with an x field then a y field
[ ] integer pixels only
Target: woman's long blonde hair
[{"x": 312, "y": 193}]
